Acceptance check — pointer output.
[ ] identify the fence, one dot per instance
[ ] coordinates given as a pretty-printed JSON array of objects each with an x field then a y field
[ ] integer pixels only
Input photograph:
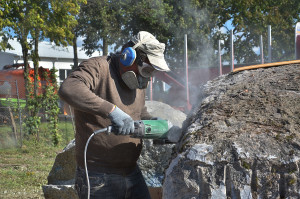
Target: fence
[
  {"x": 13, "y": 113},
  {"x": 10, "y": 113}
]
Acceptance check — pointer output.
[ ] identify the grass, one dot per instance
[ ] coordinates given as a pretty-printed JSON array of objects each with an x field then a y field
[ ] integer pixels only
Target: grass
[{"x": 23, "y": 171}]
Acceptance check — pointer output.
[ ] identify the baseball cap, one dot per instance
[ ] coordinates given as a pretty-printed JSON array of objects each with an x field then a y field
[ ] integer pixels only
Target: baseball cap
[{"x": 146, "y": 42}]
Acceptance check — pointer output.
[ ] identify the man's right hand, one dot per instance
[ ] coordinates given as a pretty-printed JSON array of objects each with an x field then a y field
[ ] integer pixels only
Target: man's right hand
[{"x": 122, "y": 123}]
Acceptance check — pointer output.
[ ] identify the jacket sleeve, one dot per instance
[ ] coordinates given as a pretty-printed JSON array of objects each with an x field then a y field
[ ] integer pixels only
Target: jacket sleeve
[{"x": 77, "y": 89}]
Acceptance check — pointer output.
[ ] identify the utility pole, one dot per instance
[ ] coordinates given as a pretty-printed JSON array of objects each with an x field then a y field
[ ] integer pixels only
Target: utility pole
[
  {"x": 220, "y": 58},
  {"x": 261, "y": 50},
  {"x": 231, "y": 51},
  {"x": 269, "y": 44},
  {"x": 186, "y": 71},
  {"x": 297, "y": 41}
]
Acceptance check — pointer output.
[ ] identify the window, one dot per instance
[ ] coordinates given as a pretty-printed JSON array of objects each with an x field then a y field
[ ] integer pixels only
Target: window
[{"x": 63, "y": 74}]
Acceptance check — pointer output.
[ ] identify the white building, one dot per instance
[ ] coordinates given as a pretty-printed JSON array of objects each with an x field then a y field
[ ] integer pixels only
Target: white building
[{"x": 50, "y": 56}]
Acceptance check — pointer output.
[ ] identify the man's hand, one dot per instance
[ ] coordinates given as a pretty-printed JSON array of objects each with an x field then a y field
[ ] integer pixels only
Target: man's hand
[{"x": 122, "y": 123}]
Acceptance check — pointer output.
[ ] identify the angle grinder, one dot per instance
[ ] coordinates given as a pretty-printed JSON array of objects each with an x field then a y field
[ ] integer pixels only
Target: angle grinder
[{"x": 145, "y": 129}]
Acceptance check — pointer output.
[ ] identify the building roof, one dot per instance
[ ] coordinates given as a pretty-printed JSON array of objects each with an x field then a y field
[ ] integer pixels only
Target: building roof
[{"x": 50, "y": 50}]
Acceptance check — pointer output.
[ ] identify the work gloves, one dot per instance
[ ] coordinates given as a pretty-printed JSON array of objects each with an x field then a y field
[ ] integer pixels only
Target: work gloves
[{"x": 122, "y": 123}]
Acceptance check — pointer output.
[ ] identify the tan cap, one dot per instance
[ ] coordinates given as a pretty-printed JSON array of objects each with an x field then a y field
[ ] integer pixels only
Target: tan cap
[{"x": 146, "y": 42}]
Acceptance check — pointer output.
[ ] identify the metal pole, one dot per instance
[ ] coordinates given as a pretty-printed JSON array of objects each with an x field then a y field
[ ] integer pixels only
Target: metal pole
[
  {"x": 151, "y": 88},
  {"x": 261, "y": 49},
  {"x": 20, "y": 116},
  {"x": 220, "y": 58},
  {"x": 269, "y": 44},
  {"x": 297, "y": 41},
  {"x": 186, "y": 71},
  {"x": 66, "y": 129},
  {"x": 231, "y": 51},
  {"x": 73, "y": 124}
]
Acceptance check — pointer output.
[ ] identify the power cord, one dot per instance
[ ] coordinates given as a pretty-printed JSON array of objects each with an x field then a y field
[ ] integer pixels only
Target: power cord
[{"x": 108, "y": 129}]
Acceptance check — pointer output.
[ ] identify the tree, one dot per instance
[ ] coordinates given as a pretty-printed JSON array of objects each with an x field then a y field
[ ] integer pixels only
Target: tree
[
  {"x": 167, "y": 20},
  {"x": 14, "y": 16},
  {"x": 4, "y": 42},
  {"x": 200, "y": 20},
  {"x": 147, "y": 15},
  {"x": 54, "y": 19},
  {"x": 170, "y": 20},
  {"x": 100, "y": 21},
  {"x": 251, "y": 19}
]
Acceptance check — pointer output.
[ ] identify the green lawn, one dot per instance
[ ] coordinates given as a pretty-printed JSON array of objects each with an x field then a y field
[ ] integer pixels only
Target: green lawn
[{"x": 24, "y": 170}]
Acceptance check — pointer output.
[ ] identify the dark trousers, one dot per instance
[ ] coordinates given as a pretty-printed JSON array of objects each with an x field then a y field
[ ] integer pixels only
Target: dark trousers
[{"x": 112, "y": 186}]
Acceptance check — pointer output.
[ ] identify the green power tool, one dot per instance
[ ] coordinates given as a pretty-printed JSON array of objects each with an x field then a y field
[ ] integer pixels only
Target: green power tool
[
  {"x": 146, "y": 129},
  {"x": 151, "y": 129}
]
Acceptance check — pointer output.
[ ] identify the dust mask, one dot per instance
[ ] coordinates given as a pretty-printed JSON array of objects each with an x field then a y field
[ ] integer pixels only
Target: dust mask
[{"x": 135, "y": 82}]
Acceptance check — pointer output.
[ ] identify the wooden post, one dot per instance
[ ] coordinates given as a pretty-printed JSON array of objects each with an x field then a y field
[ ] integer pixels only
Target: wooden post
[{"x": 13, "y": 124}]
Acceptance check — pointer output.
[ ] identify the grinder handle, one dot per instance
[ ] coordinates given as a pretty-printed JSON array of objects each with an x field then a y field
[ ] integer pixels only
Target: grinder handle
[{"x": 138, "y": 129}]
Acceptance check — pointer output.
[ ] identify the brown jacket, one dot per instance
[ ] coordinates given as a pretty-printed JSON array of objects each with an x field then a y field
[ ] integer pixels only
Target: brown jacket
[{"x": 92, "y": 90}]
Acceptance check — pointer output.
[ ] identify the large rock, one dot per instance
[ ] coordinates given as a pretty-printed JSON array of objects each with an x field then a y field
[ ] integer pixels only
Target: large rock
[
  {"x": 61, "y": 178},
  {"x": 242, "y": 139},
  {"x": 165, "y": 111},
  {"x": 63, "y": 170},
  {"x": 60, "y": 192}
]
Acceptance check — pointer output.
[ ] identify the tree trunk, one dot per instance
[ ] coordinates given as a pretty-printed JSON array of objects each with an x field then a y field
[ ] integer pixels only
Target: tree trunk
[
  {"x": 36, "y": 61},
  {"x": 75, "y": 52},
  {"x": 105, "y": 46},
  {"x": 26, "y": 67}
]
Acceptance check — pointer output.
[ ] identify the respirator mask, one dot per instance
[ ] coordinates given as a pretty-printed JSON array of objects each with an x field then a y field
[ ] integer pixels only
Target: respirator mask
[{"x": 141, "y": 80}]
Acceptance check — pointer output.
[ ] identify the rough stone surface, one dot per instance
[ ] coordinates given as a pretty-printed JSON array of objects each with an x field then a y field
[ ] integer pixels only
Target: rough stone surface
[
  {"x": 63, "y": 170},
  {"x": 164, "y": 111},
  {"x": 60, "y": 192},
  {"x": 61, "y": 178},
  {"x": 242, "y": 139},
  {"x": 156, "y": 158}
]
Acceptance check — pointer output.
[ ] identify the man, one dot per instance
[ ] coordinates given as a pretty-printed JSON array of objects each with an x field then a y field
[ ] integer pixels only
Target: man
[{"x": 110, "y": 90}]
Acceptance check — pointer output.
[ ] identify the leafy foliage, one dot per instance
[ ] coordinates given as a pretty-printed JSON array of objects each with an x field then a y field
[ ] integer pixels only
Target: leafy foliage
[
  {"x": 4, "y": 42},
  {"x": 100, "y": 20},
  {"x": 46, "y": 103},
  {"x": 201, "y": 20},
  {"x": 251, "y": 19},
  {"x": 33, "y": 106},
  {"x": 62, "y": 20},
  {"x": 50, "y": 104},
  {"x": 54, "y": 19}
]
